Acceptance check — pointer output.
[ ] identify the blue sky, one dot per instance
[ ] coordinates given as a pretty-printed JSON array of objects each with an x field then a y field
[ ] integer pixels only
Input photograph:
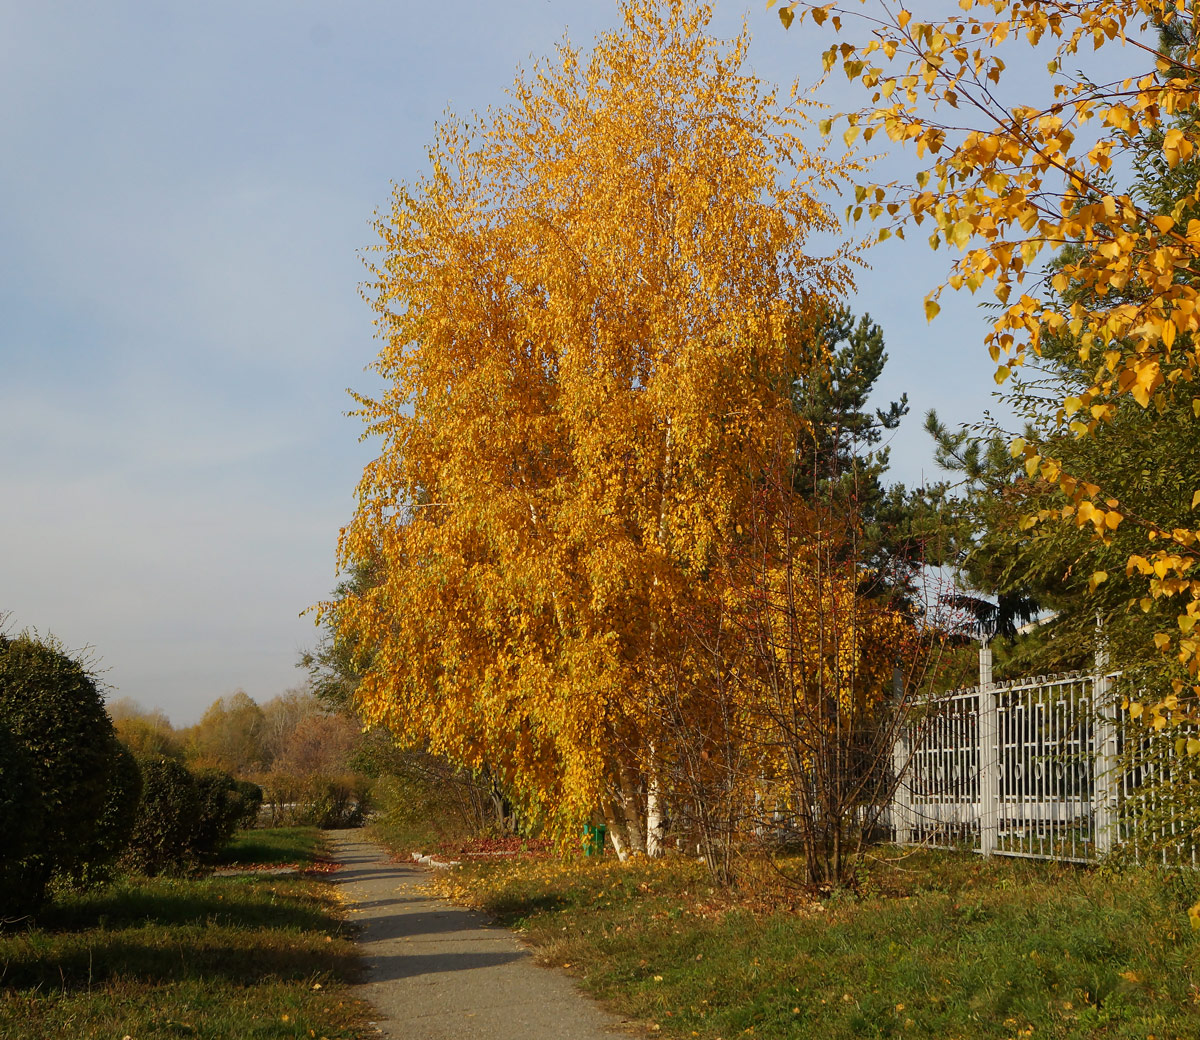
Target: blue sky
[{"x": 185, "y": 193}]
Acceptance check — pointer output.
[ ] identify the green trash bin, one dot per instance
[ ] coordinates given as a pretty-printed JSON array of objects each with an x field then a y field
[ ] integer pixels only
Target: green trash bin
[{"x": 593, "y": 839}]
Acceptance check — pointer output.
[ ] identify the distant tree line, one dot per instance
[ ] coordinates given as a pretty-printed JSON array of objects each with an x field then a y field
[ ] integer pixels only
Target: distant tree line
[{"x": 305, "y": 754}]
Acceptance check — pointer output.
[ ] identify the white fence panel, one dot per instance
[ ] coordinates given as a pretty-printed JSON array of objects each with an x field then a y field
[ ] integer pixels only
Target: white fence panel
[{"x": 1044, "y": 767}]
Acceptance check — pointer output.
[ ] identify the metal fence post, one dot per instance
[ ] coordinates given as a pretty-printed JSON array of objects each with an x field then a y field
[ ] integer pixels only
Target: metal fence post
[
  {"x": 902, "y": 816},
  {"x": 989, "y": 756},
  {"x": 1104, "y": 765}
]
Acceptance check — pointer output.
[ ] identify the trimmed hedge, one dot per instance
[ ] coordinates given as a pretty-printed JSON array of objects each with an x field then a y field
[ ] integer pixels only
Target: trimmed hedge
[
  {"x": 51, "y": 706},
  {"x": 161, "y": 840},
  {"x": 116, "y": 822},
  {"x": 251, "y": 796},
  {"x": 184, "y": 819},
  {"x": 20, "y": 820},
  {"x": 224, "y": 806}
]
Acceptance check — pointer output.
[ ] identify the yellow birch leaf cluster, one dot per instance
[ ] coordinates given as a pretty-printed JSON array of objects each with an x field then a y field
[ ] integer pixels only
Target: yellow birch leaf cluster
[{"x": 1008, "y": 184}]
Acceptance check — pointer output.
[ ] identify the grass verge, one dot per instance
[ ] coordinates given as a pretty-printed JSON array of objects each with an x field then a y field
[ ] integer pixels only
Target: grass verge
[
  {"x": 939, "y": 946},
  {"x": 226, "y": 958},
  {"x": 274, "y": 846}
]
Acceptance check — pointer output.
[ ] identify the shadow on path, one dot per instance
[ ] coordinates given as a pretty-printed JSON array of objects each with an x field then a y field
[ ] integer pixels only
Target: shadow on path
[{"x": 439, "y": 972}]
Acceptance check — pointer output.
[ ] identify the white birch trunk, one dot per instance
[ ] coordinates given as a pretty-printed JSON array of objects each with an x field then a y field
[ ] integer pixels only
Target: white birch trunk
[
  {"x": 616, "y": 831},
  {"x": 655, "y": 819}
]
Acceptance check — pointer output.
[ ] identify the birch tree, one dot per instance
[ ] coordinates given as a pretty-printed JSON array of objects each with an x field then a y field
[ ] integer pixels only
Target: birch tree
[{"x": 587, "y": 313}]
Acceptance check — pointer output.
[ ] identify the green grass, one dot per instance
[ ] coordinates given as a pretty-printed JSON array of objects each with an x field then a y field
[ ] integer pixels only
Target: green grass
[
  {"x": 274, "y": 846},
  {"x": 243, "y": 958},
  {"x": 939, "y": 946}
]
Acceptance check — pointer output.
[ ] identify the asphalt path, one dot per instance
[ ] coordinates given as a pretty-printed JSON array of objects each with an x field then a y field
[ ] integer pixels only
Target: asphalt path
[{"x": 440, "y": 972}]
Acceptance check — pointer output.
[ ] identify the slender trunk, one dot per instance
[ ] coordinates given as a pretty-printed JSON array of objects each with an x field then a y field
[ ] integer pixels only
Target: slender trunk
[
  {"x": 655, "y": 819},
  {"x": 655, "y": 810},
  {"x": 634, "y": 822},
  {"x": 616, "y": 830}
]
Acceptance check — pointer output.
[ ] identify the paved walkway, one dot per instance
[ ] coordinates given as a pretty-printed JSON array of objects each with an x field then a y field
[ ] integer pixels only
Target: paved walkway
[{"x": 439, "y": 972}]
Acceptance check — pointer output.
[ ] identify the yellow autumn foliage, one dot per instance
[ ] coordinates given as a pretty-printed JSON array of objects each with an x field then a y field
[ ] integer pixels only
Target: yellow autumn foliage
[
  {"x": 1009, "y": 183},
  {"x": 589, "y": 321}
]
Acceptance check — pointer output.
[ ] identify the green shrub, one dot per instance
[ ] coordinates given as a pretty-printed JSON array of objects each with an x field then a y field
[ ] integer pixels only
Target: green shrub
[
  {"x": 51, "y": 706},
  {"x": 20, "y": 819},
  {"x": 334, "y": 801},
  {"x": 222, "y": 808},
  {"x": 251, "y": 796},
  {"x": 316, "y": 801},
  {"x": 115, "y": 825},
  {"x": 162, "y": 837}
]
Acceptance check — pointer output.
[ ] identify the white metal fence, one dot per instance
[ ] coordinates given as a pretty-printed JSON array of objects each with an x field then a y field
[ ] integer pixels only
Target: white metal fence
[{"x": 1044, "y": 767}]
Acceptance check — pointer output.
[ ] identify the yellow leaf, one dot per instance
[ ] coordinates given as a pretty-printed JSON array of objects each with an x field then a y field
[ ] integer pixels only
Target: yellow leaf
[
  {"x": 932, "y": 309},
  {"x": 1097, "y": 578}
]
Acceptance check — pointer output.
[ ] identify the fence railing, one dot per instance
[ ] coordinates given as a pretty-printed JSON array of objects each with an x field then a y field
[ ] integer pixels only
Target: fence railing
[{"x": 1043, "y": 767}]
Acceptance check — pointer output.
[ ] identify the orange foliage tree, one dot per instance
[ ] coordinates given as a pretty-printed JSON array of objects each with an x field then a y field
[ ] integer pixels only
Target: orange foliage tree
[
  {"x": 1009, "y": 183},
  {"x": 588, "y": 319}
]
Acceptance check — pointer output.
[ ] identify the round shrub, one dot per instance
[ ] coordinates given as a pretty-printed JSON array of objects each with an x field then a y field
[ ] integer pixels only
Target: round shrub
[
  {"x": 161, "y": 840},
  {"x": 115, "y": 825},
  {"x": 50, "y": 704},
  {"x": 221, "y": 810},
  {"x": 20, "y": 820}
]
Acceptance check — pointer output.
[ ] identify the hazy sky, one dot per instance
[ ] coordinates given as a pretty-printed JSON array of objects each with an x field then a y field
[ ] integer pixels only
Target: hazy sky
[{"x": 185, "y": 192}]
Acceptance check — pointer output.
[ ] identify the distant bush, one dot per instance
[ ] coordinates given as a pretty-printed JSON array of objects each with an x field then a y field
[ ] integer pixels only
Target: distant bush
[
  {"x": 50, "y": 704},
  {"x": 224, "y": 805},
  {"x": 316, "y": 801},
  {"x": 335, "y": 801},
  {"x": 168, "y": 811},
  {"x": 251, "y": 796}
]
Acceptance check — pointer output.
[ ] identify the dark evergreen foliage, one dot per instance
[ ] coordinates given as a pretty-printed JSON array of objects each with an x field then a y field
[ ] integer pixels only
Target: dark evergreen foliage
[
  {"x": 50, "y": 704},
  {"x": 161, "y": 842},
  {"x": 115, "y": 824},
  {"x": 841, "y": 458}
]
